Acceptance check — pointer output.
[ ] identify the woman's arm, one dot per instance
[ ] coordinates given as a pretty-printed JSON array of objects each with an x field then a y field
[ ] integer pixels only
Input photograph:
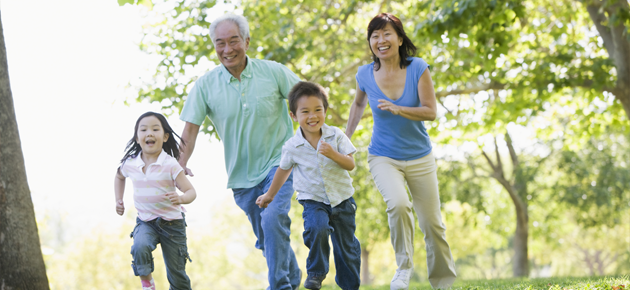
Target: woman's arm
[
  {"x": 428, "y": 109},
  {"x": 356, "y": 111}
]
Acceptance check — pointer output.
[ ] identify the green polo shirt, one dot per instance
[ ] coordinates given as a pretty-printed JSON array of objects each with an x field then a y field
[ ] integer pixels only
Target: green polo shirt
[{"x": 251, "y": 116}]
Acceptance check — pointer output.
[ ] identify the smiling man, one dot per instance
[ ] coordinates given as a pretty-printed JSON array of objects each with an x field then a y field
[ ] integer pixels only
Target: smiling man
[{"x": 246, "y": 100}]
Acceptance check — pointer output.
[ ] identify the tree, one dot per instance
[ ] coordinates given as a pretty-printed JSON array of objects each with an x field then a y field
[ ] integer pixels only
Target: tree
[
  {"x": 494, "y": 64},
  {"x": 21, "y": 262}
]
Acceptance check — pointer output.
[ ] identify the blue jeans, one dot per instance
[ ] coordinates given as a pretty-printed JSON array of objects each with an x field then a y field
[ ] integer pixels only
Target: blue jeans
[
  {"x": 172, "y": 236},
  {"x": 320, "y": 222},
  {"x": 271, "y": 226}
]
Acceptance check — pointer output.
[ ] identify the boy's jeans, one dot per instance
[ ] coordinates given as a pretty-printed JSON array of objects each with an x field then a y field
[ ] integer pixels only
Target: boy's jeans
[
  {"x": 172, "y": 236},
  {"x": 271, "y": 226},
  {"x": 320, "y": 222}
]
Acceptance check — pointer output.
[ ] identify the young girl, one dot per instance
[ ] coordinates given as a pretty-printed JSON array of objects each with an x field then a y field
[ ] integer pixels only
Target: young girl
[{"x": 151, "y": 163}]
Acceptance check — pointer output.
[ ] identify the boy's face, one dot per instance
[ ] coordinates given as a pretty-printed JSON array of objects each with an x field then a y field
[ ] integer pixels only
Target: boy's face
[{"x": 310, "y": 114}]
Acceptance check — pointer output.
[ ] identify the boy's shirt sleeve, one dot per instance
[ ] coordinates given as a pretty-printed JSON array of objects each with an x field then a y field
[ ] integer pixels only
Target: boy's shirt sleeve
[
  {"x": 286, "y": 161},
  {"x": 345, "y": 145}
]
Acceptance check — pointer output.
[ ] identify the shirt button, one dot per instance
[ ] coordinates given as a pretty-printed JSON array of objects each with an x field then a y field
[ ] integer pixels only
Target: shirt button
[
  {"x": 244, "y": 105},
  {"x": 243, "y": 94}
]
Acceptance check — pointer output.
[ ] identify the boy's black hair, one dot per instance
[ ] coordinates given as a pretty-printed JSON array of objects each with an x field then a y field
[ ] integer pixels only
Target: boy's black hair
[
  {"x": 306, "y": 89},
  {"x": 407, "y": 48},
  {"x": 170, "y": 146}
]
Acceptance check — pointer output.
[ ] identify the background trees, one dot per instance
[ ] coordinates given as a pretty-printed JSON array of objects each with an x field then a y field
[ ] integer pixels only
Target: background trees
[{"x": 553, "y": 70}]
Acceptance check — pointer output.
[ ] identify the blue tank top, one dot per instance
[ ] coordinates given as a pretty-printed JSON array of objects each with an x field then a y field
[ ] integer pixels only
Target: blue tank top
[{"x": 394, "y": 136}]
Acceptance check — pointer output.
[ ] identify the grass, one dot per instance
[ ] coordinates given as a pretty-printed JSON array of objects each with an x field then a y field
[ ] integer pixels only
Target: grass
[{"x": 580, "y": 283}]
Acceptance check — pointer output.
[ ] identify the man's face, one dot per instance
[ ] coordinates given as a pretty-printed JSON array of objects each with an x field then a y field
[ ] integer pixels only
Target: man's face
[{"x": 231, "y": 47}]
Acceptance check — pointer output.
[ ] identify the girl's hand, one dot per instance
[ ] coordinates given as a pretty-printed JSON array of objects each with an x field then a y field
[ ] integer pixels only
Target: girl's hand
[
  {"x": 120, "y": 207},
  {"x": 388, "y": 106},
  {"x": 174, "y": 198},
  {"x": 264, "y": 200},
  {"x": 325, "y": 149}
]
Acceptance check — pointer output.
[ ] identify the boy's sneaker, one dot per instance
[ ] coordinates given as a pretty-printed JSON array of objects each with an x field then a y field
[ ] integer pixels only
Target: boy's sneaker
[
  {"x": 314, "y": 282},
  {"x": 401, "y": 279}
]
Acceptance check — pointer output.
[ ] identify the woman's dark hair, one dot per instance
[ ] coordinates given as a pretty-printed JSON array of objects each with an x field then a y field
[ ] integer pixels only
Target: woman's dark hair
[
  {"x": 170, "y": 146},
  {"x": 407, "y": 48},
  {"x": 306, "y": 89}
]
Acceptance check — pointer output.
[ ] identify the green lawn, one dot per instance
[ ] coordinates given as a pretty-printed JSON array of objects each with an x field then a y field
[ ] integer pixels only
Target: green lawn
[{"x": 583, "y": 283}]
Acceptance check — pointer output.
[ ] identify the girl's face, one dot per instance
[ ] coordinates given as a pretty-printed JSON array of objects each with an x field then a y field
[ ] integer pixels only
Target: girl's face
[
  {"x": 385, "y": 42},
  {"x": 310, "y": 114},
  {"x": 151, "y": 135}
]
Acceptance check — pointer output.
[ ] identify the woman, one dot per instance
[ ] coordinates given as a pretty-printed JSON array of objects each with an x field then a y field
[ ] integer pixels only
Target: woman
[{"x": 400, "y": 92}]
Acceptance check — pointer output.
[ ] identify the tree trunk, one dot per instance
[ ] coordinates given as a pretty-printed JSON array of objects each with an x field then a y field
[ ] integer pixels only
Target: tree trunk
[
  {"x": 21, "y": 262},
  {"x": 521, "y": 261},
  {"x": 366, "y": 279}
]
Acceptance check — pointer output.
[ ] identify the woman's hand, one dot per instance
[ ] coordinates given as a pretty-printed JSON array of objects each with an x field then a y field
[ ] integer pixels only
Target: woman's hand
[{"x": 389, "y": 106}]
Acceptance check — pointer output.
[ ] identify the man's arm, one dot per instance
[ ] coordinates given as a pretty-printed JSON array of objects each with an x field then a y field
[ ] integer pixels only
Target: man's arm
[{"x": 189, "y": 137}]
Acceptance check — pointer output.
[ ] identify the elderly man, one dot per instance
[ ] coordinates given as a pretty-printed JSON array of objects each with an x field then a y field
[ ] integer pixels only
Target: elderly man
[{"x": 245, "y": 99}]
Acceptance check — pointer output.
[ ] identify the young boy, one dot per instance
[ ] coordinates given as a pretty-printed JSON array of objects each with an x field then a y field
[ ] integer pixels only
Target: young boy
[{"x": 321, "y": 156}]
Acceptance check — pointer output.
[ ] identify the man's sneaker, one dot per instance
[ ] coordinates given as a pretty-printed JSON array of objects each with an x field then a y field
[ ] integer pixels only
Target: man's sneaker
[
  {"x": 401, "y": 279},
  {"x": 314, "y": 282}
]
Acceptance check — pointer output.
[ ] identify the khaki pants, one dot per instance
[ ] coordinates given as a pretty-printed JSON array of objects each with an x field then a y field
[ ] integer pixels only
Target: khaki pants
[{"x": 420, "y": 175}]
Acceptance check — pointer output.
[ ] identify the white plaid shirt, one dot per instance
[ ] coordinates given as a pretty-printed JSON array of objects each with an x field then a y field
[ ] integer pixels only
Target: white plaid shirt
[{"x": 315, "y": 176}]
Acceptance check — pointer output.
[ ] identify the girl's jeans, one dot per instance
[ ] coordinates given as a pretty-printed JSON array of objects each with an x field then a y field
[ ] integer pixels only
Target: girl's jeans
[
  {"x": 322, "y": 221},
  {"x": 172, "y": 236},
  {"x": 272, "y": 227}
]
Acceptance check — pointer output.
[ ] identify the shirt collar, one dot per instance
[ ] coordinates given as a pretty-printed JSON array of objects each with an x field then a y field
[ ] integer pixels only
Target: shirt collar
[
  {"x": 247, "y": 72},
  {"x": 139, "y": 163},
  {"x": 327, "y": 132}
]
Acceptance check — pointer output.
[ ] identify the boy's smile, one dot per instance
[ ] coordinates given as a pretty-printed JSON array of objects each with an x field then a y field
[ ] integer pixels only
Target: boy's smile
[{"x": 311, "y": 115}]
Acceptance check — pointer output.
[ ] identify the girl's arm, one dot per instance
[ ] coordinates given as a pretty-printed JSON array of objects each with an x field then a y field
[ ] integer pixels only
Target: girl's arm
[
  {"x": 119, "y": 191},
  {"x": 428, "y": 109},
  {"x": 279, "y": 179},
  {"x": 356, "y": 111},
  {"x": 186, "y": 187}
]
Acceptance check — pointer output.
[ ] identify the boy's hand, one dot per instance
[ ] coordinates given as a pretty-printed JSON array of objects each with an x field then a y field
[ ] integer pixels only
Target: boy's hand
[
  {"x": 325, "y": 149},
  {"x": 120, "y": 207},
  {"x": 264, "y": 200},
  {"x": 174, "y": 198}
]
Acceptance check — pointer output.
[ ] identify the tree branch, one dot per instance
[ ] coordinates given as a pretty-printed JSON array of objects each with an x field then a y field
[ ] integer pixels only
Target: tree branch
[
  {"x": 598, "y": 17},
  {"x": 472, "y": 90},
  {"x": 513, "y": 156}
]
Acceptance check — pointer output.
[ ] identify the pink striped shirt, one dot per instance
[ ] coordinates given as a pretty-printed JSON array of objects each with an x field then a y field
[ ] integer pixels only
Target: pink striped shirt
[{"x": 150, "y": 188}]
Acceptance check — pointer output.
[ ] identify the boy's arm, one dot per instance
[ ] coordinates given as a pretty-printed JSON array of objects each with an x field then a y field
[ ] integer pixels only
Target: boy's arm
[
  {"x": 186, "y": 187},
  {"x": 279, "y": 179},
  {"x": 119, "y": 191},
  {"x": 345, "y": 161}
]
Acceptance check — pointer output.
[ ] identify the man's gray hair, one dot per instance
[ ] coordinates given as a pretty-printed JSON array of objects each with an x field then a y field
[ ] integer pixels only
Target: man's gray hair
[{"x": 239, "y": 20}]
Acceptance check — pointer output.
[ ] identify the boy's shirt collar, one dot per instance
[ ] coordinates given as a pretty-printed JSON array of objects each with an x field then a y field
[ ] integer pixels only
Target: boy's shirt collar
[{"x": 327, "y": 132}]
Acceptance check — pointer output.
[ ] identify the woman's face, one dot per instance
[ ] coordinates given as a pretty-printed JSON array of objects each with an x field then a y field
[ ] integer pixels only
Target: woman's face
[{"x": 385, "y": 42}]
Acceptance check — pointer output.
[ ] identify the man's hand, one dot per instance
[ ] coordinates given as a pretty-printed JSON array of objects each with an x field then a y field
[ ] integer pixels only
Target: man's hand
[
  {"x": 120, "y": 207},
  {"x": 174, "y": 198},
  {"x": 264, "y": 200},
  {"x": 325, "y": 149}
]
